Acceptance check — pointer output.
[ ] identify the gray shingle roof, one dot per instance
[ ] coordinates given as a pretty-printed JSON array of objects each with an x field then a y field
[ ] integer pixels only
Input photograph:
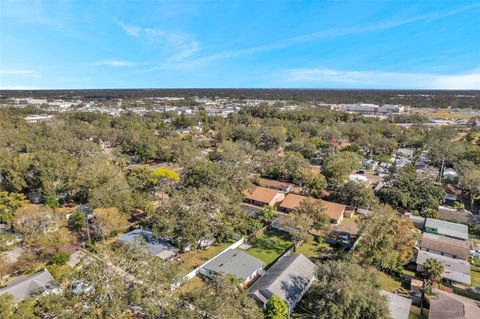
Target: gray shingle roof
[
  {"x": 447, "y": 228},
  {"x": 156, "y": 245},
  {"x": 454, "y": 269},
  {"x": 398, "y": 306},
  {"x": 289, "y": 278},
  {"x": 27, "y": 286},
  {"x": 235, "y": 262}
]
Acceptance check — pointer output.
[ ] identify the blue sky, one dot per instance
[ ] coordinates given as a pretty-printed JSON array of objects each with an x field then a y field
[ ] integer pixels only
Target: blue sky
[{"x": 191, "y": 44}]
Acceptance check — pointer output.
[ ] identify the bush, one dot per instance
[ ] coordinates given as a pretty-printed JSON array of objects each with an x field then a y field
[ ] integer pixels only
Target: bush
[{"x": 60, "y": 259}]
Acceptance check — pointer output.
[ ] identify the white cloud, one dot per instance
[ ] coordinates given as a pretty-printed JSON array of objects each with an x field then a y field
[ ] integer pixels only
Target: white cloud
[
  {"x": 329, "y": 33},
  {"x": 26, "y": 73},
  {"x": 381, "y": 79},
  {"x": 130, "y": 30},
  {"x": 116, "y": 63}
]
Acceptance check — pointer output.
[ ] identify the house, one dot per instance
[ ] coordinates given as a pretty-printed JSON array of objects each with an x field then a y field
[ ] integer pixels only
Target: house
[
  {"x": 447, "y": 229},
  {"x": 405, "y": 153},
  {"x": 157, "y": 246},
  {"x": 456, "y": 270},
  {"x": 454, "y": 215},
  {"x": 445, "y": 246},
  {"x": 289, "y": 278},
  {"x": 452, "y": 194},
  {"x": 418, "y": 221},
  {"x": 401, "y": 161},
  {"x": 333, "y": 210},
  {"x": 450, "y": 173},
  {"x": 452, "y": 306},
  {"x": 398, "y": 306},
  {"x": 275, "y": 185},
  {"x": 370, "y": 165},
  {"x": 235, "y": 262},
  {"x": 38, "y": 118},
  {"x": 262, "y": 196},
  {"x": 346, "y": 232},
  {"x": 29, "y": 286},
  {"x": 251, "y": 210},
  {"x": 474, "y": 121}
]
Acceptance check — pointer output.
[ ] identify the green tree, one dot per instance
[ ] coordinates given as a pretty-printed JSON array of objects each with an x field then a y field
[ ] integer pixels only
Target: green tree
[
  {"x": 410, "y": 191},
  {"x": 470, "y": 180},
  {"x": 9, "y": 203},
  {"x": 338, "y": 166},
  {"x": 433, "y": 269},
  {"x": 387, "y": 240},
  {"x": 276, "y": 308},
  {"x": 267, "y": 214},
  {"x": 345, "y": 290},
  {"x": 355, "y": 194}
]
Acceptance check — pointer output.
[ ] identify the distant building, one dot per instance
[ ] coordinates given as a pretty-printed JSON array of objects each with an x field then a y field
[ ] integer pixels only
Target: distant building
[
  {"x": 275, "y": 185},
  {"x": 388, "y": 109},
  {"x": 38, "y": 118},
  {"x": 29, "y": 286},
  {"x": 289, "y": 278}
]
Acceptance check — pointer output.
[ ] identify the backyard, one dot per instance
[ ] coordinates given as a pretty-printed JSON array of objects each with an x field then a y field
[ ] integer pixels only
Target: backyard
[
  {"x": 192, "y": 260},
  {"x": 269, "y": 246}
]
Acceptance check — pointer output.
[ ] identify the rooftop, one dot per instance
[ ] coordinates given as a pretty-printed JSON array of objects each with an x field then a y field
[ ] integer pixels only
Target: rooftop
[
  {"x": 454, "y": 269},
  {"x": 27, "y": 286},
  {"x": 447, "y": 228},
  {"x": 288, "y": 279},
  {"x": 156, "y": 245},
  {"x": 447, "y": 245},
  {"x": 235, "y": 262},
  {"x": 261, "y": 194},
  {"x": 333, "y": 210},
  {"x": 398, "y": 306}
]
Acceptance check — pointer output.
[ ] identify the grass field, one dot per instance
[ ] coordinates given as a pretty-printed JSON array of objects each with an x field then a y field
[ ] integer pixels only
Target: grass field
[
  {"x": 314, "y": 249},
  {"x": 270, "y": 245},
  {"x": 475, "y": 276},
  {"x": 388, "y": 282}
]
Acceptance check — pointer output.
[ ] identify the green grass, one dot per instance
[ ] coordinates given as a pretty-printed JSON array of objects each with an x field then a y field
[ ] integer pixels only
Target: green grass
[
  {"x": 314, "y": 249},
  {"x": 412, "y": 315},
  {"x": 191, "y": 260},
  {"x": 270, "y": 246},
  {"x": 475, "y": 276},
  {"x": 388, "y": 282}
]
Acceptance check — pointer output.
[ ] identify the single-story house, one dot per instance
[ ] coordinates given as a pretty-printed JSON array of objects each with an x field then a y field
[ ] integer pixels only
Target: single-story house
[
  {"x": 454, "y": 215},
  {"x": 370, "y": 165},
  {"x": 346, "y": 233},
  {"x": 29, "y": 286},
  {"x": 445, "y": 246},
  {"x": 289, "y": 278},
  {"x": 418, "y": 221},
  {"x": 333, "y": 210},
  {"x": 452, "y": 306},
  {"x": 157, "y": 246},
  {"x": 262, "y": 196},
  {"x": 251, "y": 210},
  {"x": 447, "y": 229},
  {"x": 275, "y": 185},
  {"x": 452, "y": 194},
  {"x": 457, "y": 270},
  {"x": 450, "y": 173},
  {"x": 405, "y": 152},
  {"x": 235, "y": 262},
  {"x": 398, "y": 306}
]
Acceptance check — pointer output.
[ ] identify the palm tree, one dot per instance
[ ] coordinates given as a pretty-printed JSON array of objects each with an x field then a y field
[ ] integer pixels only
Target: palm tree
[{"x": 433, "y": 270}]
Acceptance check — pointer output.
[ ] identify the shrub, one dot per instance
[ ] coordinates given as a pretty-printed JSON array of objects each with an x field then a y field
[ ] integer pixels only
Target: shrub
[{"x": 60, "y": 259}]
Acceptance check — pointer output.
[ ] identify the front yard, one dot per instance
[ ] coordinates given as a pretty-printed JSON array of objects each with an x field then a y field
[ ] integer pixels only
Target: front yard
[{"x": 269, "y": 246}]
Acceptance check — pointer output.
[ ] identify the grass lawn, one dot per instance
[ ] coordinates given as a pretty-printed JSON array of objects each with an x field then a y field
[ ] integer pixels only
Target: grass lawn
[
  {"x": 475, "y": 276},
  {"x": 388, "y": 282},
  {"x": 270, "y": 245},
  {"x": 412, "y": 315},
  {"x": 192, "y": 260},
  {"x": 313, "y": 249},
  {"x": 195, "y": 284}
]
